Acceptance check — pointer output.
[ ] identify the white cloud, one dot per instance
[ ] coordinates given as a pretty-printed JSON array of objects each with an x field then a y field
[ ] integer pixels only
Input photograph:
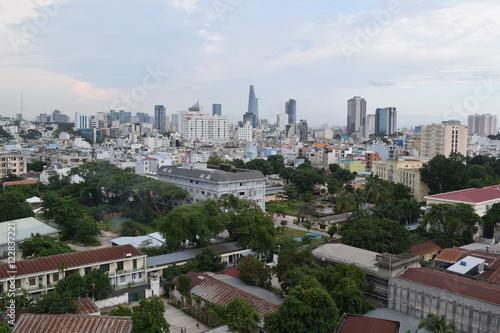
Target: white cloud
[{"x": 187, "y": 5}]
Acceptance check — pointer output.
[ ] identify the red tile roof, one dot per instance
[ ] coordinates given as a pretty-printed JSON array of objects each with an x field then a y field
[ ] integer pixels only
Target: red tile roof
[
  {"x": 424, "y": 248},
  {"x": 219, "y": 292},
  {"x": 458, "y": 285},
  {"x": 471, "y": 195},
  {"x": 86, "y": 306},
  {"x": 71, "y": 259},
  {"x": 234, "y": 272},
  {"x": 360, "y": 324},
  {"x": 71, "y": 323},
  {"x": 20, "y": 182}
]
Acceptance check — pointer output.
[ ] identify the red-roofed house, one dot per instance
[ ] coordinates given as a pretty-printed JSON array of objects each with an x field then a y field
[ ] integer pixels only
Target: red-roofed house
[
  {"x": 481, "y": 199},
  {"x": 427, "y": 251},
  {"x": 360, "y": 324},
  {"x": 473, "y": 306},
  {"x": 19, "y": 182},
  {"x": 124, "y": 264}
]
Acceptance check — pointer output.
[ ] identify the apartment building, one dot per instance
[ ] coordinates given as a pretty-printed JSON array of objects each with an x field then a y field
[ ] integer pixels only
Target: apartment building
[
  {"x": 443, "y": 139},
  {"x": 124, "y": 264},
  {"x": 12, "y": 163},
  {"x": 203, "y": 183}
]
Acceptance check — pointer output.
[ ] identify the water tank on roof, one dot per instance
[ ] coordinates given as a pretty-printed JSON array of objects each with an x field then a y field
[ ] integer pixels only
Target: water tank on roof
[{"x": 463, "y": 263}]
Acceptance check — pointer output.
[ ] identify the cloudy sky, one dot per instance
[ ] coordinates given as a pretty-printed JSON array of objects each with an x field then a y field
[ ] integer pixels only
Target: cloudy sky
[{"x": 431, "y": 59}]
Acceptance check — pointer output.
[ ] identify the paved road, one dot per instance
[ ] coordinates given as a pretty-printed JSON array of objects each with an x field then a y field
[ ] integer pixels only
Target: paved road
[{"x": 178, "y": 319}]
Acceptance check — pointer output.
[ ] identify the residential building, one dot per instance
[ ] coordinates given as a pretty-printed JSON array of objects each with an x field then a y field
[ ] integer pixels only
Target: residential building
[
  {"x": 370, "y": 158},
  {"x": 303, "y": 130},
  {"x": 405, "y": 171},
  {"x": 160, "y": 118},
  {"x": 427, "y": 251},
  {"x": 291, "y": 111},
  {"x": 204, "y": 183},
  {"x": 481, "y": 199},
  {"x": 356, "y": 116},
  {"x": 443, "y": 139},
  {"x": 205, "y": 128},
  {"x": 385, "y": 121},
  {"x": 472, "y": 306},
  {"x": 482, "y": 124},
  {"x": 216, "y": 109},
  {"x": 81, "y": 121},
  {"x": 12, "y": 163},
  {"x": 244, "y": 131},
  {"x": 124, "y": 264},
  {"x": 282, "y": 121},
  {"x": 370, "y": 125}
]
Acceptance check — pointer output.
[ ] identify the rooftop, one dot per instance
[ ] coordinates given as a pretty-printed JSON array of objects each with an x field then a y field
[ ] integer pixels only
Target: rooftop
[
  {"x": 360, "y": 324},
  {"x": 70, "y": 323},
  {"x": 24, "y": 228},
  {"x": 347, "y": 254},
  {"x": 213, "y": 175},
  {"x": 471, "y": 195},
  {"x": 20, "y": 182},
  {"x": 74, "y": 259},
  {"x": 424, "y": 248}
]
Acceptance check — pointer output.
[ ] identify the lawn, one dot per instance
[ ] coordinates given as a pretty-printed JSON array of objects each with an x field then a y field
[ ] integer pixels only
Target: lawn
[
  {"x": 290, "y": 208},
  {"x": 114, "y": 224}
]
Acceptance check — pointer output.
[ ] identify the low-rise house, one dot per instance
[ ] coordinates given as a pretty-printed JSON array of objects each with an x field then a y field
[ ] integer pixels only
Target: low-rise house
[
  {"x": 426, "y": 251},
  {"x": 21, "y": 229},
  {"x": 125, "y": 265},
  {"x": 359, "y": 324}
]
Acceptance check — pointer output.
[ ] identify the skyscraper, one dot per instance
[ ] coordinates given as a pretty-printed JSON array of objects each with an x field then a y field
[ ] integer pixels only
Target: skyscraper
[
  {"x": 160, "y": 118},
  {"x": 303, "y": 130},
  {"x": 482, "y": 124},
  {"x": 253, "y": 109},
  {"x": 291, "y": 111},
  {"x": 356, "y": 115},
  {"x": 81, "y": 121},
  {"x": 385, "y": 121},
  {"x": 216, "y": 109}
]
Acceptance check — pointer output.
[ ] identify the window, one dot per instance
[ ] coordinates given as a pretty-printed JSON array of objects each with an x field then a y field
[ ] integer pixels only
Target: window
[
  {"x": 140, "y": 275},
  {"x": 134, "y": 276},
  {"x": 242, "y": 193},
  {"x": 32, "y": 281},
  {"x": 122, "y": 279},
  {"x": 105, "y": 267},
  {"x": 119, "y": 266},
  {"x": 134, "y": 263},
  {"x": 55, "y": 277}
]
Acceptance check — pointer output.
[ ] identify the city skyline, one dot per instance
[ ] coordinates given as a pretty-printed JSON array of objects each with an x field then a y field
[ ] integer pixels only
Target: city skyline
[{"x": 419, "y": 57}]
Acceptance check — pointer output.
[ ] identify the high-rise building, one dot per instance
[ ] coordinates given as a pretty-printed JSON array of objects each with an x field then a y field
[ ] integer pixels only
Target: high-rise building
[
  {"x": 385, "y": 121},
  {"x": 282, "y": 121},
  {"x": 244, "y": 131},
  {"x": 303, "y": 130},
  {"x": 160, "y": 118},
  {"x": 443, "y": 139},
  {"x": 356, "y": 116},
  {"x": 195, "y": 108},
  {"x": 291, "y": 111},
  {"x": 204, "y": 127},
  {"x": 56, "y": 116},
  {"x": 142, "y": 117},
  {"x": 370, "y": 125},
  {"x": 482, "y": 124},
  {"x": 253, "y": 109},
  {"x": 216, "y": 109},
  {"x": 81, "y": 121}
]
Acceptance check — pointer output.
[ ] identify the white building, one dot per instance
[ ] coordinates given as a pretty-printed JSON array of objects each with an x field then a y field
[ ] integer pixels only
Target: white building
[
  {"x": 443, "y": 139},
  {"x": 482, "y": 124},
  {"x": 81, "y": 121},
  {"x": 205, "y": 183},
  {"x": 245, "y": 132},
  {"x": 204, "y": 127}
]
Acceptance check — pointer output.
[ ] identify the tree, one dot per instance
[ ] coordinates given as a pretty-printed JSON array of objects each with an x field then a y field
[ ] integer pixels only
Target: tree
[
  {"x": 42, "y": 246},
  {"x": 378, "y": 235},
  {"x": 332, "y": 230},
  {"x": 54, "y": 303},
  {"x": 13, "y": 206},
  {"x": 377, "y": 192},
  {"x": 98, "y": 284},
  {"x": 31, "y": 134},
  {"x": 4, "y": 328},
  {"x": 121, "y": 311},
  {"x": 437, "y": 176},
  {"x": 240, "y": 316},
  {"x": 131, "y": 228},
  {"x": 261, "y": 165},
  {"x": 304, "y": 311},
  {"x": 72, "y": 285},
  {"x": 209, "y": 261},
  {"x": 184, "y": 285},
  {"x": 306, "y": 178},
  {"x": 215, "y": 160},
  {"x": 248, "y": 224},
  {"x": 148, "y": 316},
  {"x": 452, "y": 224},
  {"x": 288, "y": 260},
  {"x": 340, "y": 174},
  {"x": 490, "y": 219},
  {"x": 196, "y": 223},
  {"x": 253, "y": 272},
  {"x": 35, "y": 166},
  {"x": 277, "y": 162},
  {"x": 437, "y": 324}
]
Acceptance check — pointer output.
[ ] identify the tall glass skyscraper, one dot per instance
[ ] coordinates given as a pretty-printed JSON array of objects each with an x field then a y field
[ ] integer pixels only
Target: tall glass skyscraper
[
  {"x": 291, "y": 111},
  {"x": 216, "y": 109},
  {"x": 160, "y": 118},
  {"x": 356, "y": 115},
  {"x": 385, "y": 121},
  {"x": 253, "y": 108}
]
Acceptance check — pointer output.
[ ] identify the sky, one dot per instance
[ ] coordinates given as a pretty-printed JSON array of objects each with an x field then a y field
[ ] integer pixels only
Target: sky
[{"x": 433, "y": 60}]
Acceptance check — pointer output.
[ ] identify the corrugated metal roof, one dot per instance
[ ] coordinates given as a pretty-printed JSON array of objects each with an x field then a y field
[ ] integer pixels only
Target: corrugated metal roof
[
  {"x": 424, "y": 248},
  {"x": 71, "y": 259},
  {"x": 457, "y": 285},
  {"x": 86, "y": 306},
  {"x": 360, "y": 324},
  {"x": 71, "y": 323},
  {"x": 24, "y": 228},
  {"x": 452, "y": 255}
]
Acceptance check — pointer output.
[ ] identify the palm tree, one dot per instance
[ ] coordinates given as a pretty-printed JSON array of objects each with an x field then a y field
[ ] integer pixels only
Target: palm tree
[
  {"x": 376, "y": 192},
  {"x": 437, "y": 324}
]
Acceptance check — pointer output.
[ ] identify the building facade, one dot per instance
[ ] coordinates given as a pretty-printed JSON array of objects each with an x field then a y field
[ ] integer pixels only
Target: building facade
[
  {"x": 12, "y": 163},
  {"x": 443, "y": 139},
  {"x": 160, "y": 118},
  {"x": 356, "y": 116},
  {"x": 482, "y": 124},
  {"x": 216, "y": 109},
  {"x": 81, "y": 121},
  {"x": 385, "y": 121},
  {"x": 253, "y": 109},
  {"x": 205, "y": 128},
  {"x": 207, "y": 183},
  {"x": 291, "y": 111}
]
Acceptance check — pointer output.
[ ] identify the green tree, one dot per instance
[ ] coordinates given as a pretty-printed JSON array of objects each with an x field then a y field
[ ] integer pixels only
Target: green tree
[
  {"x": 35, "y": 166},
  {"x": 13, "y": 206},
  {"x": 254, "y": 272},
  {"x": 306, "y": 178},
  {"x": 332, "y": 230},
  {"x": 437, "y": 176},
  {"x": 4, "y": 134},
  {"x": 240, "y": 316},
  {"x": 260, "y": 165},
  {"x": 248, "y": 224},
  {"x": 239, "y": 163},
  {"x": 54, "y": 303},
  {"x": 490, "y": 219},
  {"x": 452, "y": 224},
  {"x": 148, "y": 316},
  {"x": 121, "y": 311},
  {"x": 304, "y": 311},
  {"x": 41, "y": 246},
  {"x": 437, "y": 324},
  {"x": 209, "y": 261},
  {"x": 30, "y": 134},
  {"x": 72, "y": 285},
  {"x": 98, "y": 284},
  {"x": 288, "y": 261},
  {"x": 277, "y": 162},
  {"x": 196, "y": 223},
  {"x": 378, "y": 192},
  {"x": 215, "y": 160},
  {"x": 131, "y": 228},
  {"x": 378, "y": 235},
  {"x": 4, "y": 328},
  {"x": 184, "y": 285},
  {"x": 340, "y": 174}
]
